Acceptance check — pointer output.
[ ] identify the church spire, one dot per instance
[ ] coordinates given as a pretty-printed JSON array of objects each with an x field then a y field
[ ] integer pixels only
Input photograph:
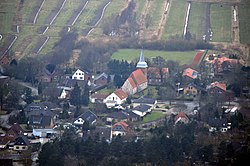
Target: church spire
[{"x": 142, "y": 64}]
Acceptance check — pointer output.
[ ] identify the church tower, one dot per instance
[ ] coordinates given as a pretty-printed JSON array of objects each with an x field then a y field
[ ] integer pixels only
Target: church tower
[{"x": 142, "y": 64}]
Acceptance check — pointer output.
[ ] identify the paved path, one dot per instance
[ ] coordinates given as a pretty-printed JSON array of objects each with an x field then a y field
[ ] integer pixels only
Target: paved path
[{"x": 28, "y": 85}]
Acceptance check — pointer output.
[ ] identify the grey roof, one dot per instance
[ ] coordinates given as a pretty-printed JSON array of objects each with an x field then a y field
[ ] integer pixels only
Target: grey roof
[
  {"x": 142, "y": 63},
  {"x": 88, "y": 116},
  {"x": 216, "y": 122},
  {"x": 103, "y": 132},
  {"x": 40, "y": 108},
  {"x": 101, "y": 75},
  {"x": 144, "y": 100},
  {"x": 68, "y": 82},
  {"x": 22, "y": 140},
  {"x": 52, "y": 91},
  {"x": 121, "y": 115},
  {"x": 142, "y": 108},
  {"x": 40, "y": 120}
]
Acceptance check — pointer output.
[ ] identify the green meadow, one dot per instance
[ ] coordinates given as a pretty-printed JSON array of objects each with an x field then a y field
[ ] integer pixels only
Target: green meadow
[{"x": 133, "y": 54}]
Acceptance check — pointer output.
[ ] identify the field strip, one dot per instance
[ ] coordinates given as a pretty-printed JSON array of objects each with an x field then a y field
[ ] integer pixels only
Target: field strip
[
  {"x": 11, "y": 44},
  {"x": 38, "y": 12},
  {"x": 186, "y": 20},
  {"x": 79, "y": 13},
  {"x": 163, "y": 19},
  {"x": 58, "y": 12},
  {"x": 103, "y": 10}
]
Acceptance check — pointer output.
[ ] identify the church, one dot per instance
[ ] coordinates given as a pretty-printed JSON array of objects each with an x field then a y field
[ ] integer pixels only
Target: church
[{"x": 137, "y": 81}]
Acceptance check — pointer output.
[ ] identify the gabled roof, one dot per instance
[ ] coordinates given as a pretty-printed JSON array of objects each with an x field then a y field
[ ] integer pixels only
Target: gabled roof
[
  {"x": 22, "y": 140},
  {"x": 98, "y": 96},
  {"x": 216, "y": 122},
  {"x": 16, "y": 128},
  {"x": 155, "y": 72},
  {"x": 123, "y": 124},
  {"x": 144, "y": 100},
  {"x": 225, "y": 59},
  {"x": 88, "y": 116},
  {"x": 132, "y": 83},
  {"x": 190, "y": 73},
  {"x": 121, "y": 94},
  {"x": 139, "y": 77},
  {"x": 40, "y": 120},
  {"x": 219, "y": 85},
  {"x": 181, "y": 115},
  {"x": 101, "y": 75},
  {"x": 142, "y": 108},
  {"x": 52, "y": 91},
  {"x": 122, "y": 115}
]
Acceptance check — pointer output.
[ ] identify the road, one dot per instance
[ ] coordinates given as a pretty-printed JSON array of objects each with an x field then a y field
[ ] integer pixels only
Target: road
[{"x": 28, "y": 85}]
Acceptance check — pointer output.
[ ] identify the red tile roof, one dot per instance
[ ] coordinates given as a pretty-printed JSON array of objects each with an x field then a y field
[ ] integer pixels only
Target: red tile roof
[
  {"x": 123, "y": 124},
  {"x": 219, "y": 85},
  {"x": 190, "y": 73},
  {"x": 139, "y": 77},
  {"x": 181, "y": 115},
  {"x": 132, "y": 83},
  {"x": 121, "y": 94}
]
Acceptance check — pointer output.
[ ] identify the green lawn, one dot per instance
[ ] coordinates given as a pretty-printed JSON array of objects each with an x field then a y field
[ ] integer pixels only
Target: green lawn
[
  {"x": 155, "y": 11},
  {"x": 113, "y": 9},
  {"x": 133, "y": 55},
  {"x": 195, "y": 19},
  {"x": 7, "y": 14},
  {"x": 66, "y": 12},
  {"x": 221, "y": 22},
  {"x": 153, "y": 116},
  {"x": 140, "y": 5},
  {"x": 244, "y": 21},
  {"x": 176, "y": 19}
]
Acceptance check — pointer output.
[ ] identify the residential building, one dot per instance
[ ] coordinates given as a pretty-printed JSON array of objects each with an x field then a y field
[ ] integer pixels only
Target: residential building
[
  {"x": 190, "y": 74},
  {"x": 142, "y": 110},
  {"x": 81, "y": 75},
  {"x": 87, "y": 116},
  {"x": 120, "y": 128},
  {"x": 118, "y": 97},
  {"x": 181, "y": 117}
]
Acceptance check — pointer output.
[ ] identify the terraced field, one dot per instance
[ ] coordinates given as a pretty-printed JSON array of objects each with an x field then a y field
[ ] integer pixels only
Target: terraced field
[
  {"x": 221, "y": 22},
  {"x": 33, "y": 27},
  {"x": 175, "y": 20},
  {"x": 244, "y": 13}
]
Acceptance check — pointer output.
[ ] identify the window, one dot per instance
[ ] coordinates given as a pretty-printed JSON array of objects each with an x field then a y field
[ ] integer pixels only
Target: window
[
  {"x": 81, "y": 78},
  {"x": 23, "y": 147},
  {"x": 17, "y": 147}
]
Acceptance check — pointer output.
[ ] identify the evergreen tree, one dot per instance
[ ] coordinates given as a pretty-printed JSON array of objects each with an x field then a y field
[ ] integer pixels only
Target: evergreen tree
[{"x": 75, "y": 96}]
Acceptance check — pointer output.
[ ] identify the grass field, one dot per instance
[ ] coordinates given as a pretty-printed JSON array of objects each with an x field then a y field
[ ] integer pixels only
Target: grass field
[
  {"x": 140, "y": 5},
  {"x": 155, "y": 12},
  {"x": 221, "y": 22},
  {"x": 175, "y": 21},
  {"x": 113, "y": 9},
  {"x": 133, "y": 55},
  {"x": 7, "y": 14},
  {"x": 153, "y": 116},
  {"x": 66, "y": 12},
  {"x": 244, "y": 13},
  {"x": 195, "y": 19}
]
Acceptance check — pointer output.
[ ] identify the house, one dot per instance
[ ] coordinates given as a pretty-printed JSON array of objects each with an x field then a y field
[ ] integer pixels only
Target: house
[
  {"x": 181, "y": 117},
  {"x": 224, "y": 64},
  {"x": 157, "y": 76},
  {"x": 217, "y": 88},
  {"x": 22, "y": 143},
  {"x": 126, "y": 115},
  {"x": 192, "y": 90},
  {"x": 88, "y": 116},
  {"x": 68, "y": 84},
  {"x": 218, "y": 124},
  {"x": 100, "y": 133},
  {"x": 101, "y": 80},
  {"x": 50, "y": 93},
  {"x": 190, "y": 73},
  {"x": 14, "y": 132},
  {"x": 142, "y": 110},
  {"x": 120, "y": 128},
  {"x": 81, "y": 75},
  {"x": 118, "y": 97},
  {"x": 41, "y": 114},
  {"x": 43, "y": 133},
  {"x": 144, "y": 100},
  {"x": 97, "y": 97},
  {"x": 47, "y": 76}
]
